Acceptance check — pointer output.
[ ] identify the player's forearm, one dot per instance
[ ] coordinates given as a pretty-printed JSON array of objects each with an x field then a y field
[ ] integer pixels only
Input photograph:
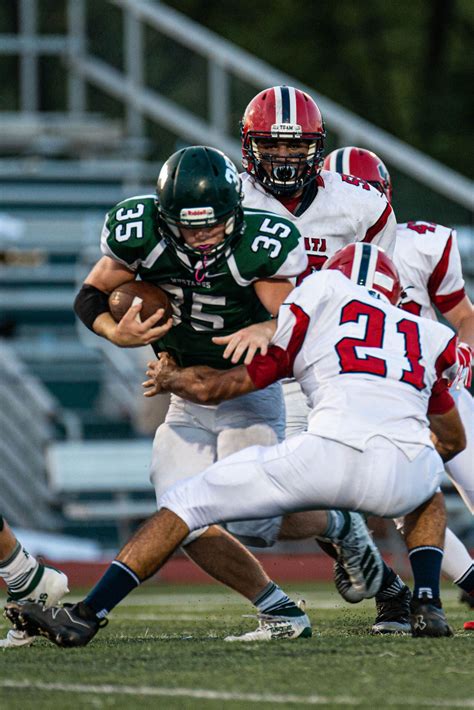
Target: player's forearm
[
  {"x": 462, "y": 318},
  {"x": 105, "y": 326},
  {"x": 204, "y": 385},
  {"x": 448, "y": 434},
  {"x": 466, "y": 330}
]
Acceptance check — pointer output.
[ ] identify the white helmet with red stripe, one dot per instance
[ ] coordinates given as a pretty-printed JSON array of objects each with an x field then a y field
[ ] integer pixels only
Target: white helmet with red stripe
[
  {"x": 368, "y": 265},
  {"x": 282, "y": 113},
  {"x": 361, "y": 163}
]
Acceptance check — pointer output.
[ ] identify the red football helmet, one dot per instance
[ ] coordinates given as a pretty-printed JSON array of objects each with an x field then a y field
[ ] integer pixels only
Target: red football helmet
[
  {"x": 363, "y": 164},
  {"x": 368, "y": 265},
  {"x": 282, "y": 113}
]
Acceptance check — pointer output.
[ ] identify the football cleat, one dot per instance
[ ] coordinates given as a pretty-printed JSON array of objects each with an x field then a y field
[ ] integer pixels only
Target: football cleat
[
  {"x": 66, "y": 626},
  {"x": 427, "y": 618},
  {"x": 359, "y": 566},
  {"x": 52, "y": 586},
  {"x": 469, "y": 626},
  {"x": 272, "y": 627},
  {"x": 393, "y": 614}
]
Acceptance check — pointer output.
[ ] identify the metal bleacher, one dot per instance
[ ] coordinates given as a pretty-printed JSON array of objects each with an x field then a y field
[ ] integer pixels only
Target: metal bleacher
[{"x": 59, "y": 172}]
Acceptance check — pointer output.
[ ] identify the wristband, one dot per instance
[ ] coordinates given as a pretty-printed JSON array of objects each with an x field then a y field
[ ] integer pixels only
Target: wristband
[{"x": 89, "y": 303}]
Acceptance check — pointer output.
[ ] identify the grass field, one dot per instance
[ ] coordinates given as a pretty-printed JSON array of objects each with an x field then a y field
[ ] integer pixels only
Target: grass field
[{"x": 164, "y": 648}]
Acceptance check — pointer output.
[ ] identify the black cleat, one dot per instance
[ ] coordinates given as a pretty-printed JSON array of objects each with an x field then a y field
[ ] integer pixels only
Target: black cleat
[
  {"x": 393, "y": 614},
  {"x": 428, "y": 618},
  {"x": 67, "y": 626}
]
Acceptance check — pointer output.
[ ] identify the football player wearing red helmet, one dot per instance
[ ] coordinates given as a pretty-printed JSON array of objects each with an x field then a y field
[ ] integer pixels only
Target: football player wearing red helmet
[
  {"x": 283, "y": 137},
  {"x": 361, "y": 163},
  {"x": 282, "y": 140},
  {"x": 429, "y": 263}
]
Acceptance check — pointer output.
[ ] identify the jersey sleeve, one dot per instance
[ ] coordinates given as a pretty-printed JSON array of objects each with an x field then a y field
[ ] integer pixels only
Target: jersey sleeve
[
  {"x": 128, "y": 234},
  {"x": 446, "y": 365},
  {"x": 446, "y": 283},
  {"x": 270, "y": 248}
]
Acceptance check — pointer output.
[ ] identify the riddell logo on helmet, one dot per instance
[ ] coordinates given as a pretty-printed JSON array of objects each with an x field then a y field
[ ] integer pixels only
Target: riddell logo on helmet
[
  {"x": 286, "y": 129},
  {"x": 196, "y": 214}
]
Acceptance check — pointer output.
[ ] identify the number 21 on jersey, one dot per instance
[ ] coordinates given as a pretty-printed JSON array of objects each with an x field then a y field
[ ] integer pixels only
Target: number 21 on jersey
[{"x": 375, "y": 326}]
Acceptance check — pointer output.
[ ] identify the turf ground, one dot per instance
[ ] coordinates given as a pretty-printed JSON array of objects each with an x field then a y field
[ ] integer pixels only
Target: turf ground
[{"x": 164, "y": 648}]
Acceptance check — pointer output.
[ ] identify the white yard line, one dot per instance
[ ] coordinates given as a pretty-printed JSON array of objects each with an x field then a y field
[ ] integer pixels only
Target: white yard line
[{"x": 226, "y": 696}]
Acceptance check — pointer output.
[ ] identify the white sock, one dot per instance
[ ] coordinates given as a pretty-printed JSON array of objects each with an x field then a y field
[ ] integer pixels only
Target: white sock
[
  {"x": 456, "y": 559},
  {"x": 19, "y": 570},
  {"x": 273, "y": 600}
]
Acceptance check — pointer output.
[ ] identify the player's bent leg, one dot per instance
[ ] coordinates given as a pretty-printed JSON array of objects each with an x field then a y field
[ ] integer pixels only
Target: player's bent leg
[
  {"x": 142, "y": 556},
  {"x": 228, "y": 561},
  {"x": 424, "y": 530},
  {"x": 180, "y": 450},
  {"x": 26, "y": 579}
]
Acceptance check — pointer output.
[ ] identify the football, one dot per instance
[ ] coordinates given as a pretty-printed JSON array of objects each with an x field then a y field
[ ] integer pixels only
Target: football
[{"x": 153, "y": 297}]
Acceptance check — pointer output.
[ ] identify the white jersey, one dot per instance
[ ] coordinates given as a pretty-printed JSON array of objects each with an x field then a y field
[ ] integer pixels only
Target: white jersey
[
  {"x": 367, "y": 368},
  {"x": 429, "y": 263},
  {"x": 344, "y": 210}
]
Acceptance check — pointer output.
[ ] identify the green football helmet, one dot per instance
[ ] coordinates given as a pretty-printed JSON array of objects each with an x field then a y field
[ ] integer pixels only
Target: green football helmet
[{"x": 200, "y": 187}]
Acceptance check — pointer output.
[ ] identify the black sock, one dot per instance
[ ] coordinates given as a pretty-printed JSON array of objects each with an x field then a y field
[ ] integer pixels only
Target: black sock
[
  {"x": 426, "y": 565},
  {"x": 117, "y": 582},
  {"x": 466, "y": 582},
  {"x": 391, "y": 585}
]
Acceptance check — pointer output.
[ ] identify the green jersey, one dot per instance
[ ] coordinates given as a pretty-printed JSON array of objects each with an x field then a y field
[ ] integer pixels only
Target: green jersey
[{"x": 206, "y": 302}]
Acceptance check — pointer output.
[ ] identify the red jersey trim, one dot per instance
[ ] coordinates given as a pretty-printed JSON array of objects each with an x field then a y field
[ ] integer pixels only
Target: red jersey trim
[
  {"x": 440, "y": 270},
  {"x": 440, "y": 401},
  {"x": 379, "y": 225},
  {"x": 265, "y": 369},
  {"x": 448, "y": 357},
  {"x": 278, "y": 363},
  {"x": 446, "y": 302}
]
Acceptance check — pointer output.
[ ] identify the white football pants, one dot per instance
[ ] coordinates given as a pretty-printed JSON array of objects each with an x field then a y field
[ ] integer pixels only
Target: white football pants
[
  {"x": 306, "y": 472},
  {"x": 461, "y": 468},
  {"x": 194, "y": 436}
]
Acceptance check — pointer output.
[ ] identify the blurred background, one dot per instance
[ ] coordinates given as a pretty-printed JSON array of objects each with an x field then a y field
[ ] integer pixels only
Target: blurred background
[{"x": 95, "y": 94}]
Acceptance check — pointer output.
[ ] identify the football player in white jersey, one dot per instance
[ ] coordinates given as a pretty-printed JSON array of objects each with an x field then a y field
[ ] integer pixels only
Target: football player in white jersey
[
  {"x": 283, "y": 135},
  {"x": 428, "y": 260},
  {"x": 341, "y": 338}
]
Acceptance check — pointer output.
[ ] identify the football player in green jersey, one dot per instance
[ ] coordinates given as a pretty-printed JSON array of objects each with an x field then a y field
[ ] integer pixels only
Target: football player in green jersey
[{"x": 224, "y": 268}]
